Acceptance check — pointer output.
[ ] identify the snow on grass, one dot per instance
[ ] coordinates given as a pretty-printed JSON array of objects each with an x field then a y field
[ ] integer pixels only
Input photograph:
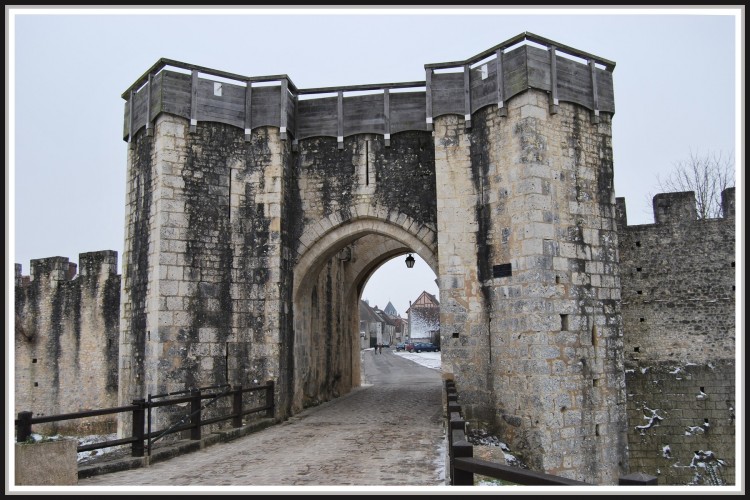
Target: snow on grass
[{"x": 426, "y": 359}]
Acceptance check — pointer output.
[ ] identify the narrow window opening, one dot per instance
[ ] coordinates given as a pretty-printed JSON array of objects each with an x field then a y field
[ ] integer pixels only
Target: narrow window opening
[
  {"x": 595, "y": 382},
  {"x": 33, "y": 360},
  {"x": 594, "y": 336},
  {"x": 557, "y": 280},
  {"x": 564, "y": 322},
  {"x": 36, "y": 384},
  {"x": 732, "y": 263},
  {"x": 596, "y": 429},
  {"x": 367, "y": 163}
]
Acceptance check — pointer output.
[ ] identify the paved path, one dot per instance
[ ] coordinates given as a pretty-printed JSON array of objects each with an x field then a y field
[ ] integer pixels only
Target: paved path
[{"x": 389, "y": 433}]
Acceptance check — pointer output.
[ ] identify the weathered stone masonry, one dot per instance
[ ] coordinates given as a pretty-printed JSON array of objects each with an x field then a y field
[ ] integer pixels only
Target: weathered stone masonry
[
  {"x": 678, "y": 309},
  {"x": 255, "y": 218},
  {"x": 66, "y": 346},
  {"x": 543, "y": 342}
]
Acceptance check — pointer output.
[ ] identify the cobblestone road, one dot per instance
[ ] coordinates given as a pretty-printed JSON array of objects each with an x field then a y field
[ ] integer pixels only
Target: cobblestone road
[{"x": 388, "y": 432}]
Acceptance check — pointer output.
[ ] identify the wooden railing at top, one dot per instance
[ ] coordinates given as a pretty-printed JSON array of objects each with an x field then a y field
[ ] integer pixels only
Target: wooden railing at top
[
  {"x": 463, "y": 465},
  {"x": 290, "y": 90}
]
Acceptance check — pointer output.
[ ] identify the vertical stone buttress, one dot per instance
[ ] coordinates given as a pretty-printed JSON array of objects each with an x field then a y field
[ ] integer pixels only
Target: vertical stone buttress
[
  {"x": 529, "y": 282},
  {"x": 203, "y": 279}
]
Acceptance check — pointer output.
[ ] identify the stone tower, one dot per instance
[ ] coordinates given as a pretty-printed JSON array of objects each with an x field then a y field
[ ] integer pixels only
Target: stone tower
[{"x": 256, "y": 214}]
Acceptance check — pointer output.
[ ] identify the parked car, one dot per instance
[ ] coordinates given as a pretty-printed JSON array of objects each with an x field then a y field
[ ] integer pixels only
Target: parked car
[
  {"x": 422, "y": 347},
  {"x": 401, "y": 346}
]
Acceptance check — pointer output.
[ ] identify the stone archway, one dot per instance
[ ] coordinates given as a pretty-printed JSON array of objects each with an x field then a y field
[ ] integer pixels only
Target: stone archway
[{"x": 328, "y": 282}]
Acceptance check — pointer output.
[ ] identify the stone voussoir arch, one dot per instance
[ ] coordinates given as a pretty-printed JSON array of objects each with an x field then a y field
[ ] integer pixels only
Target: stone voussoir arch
[{"x": 320, "y": 241}]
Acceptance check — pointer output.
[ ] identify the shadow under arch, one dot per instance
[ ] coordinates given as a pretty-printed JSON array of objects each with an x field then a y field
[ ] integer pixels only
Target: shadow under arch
[{"x": 328, "y": 281}]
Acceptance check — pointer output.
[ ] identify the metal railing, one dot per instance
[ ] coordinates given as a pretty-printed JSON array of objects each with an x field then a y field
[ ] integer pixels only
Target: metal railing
[
  {"x": 463, "y": 465},
  {"x": 142, "y": 436}
]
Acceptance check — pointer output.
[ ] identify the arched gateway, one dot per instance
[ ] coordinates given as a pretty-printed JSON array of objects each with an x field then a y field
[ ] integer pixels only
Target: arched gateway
[{"x": 257, "y": 211}]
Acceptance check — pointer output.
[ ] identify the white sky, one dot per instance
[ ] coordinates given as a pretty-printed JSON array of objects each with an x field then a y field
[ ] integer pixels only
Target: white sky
[{"x": 676, "y": 90}]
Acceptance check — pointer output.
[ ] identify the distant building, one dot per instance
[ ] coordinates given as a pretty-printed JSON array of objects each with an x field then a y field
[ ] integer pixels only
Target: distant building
[
  {"x": 424, "y": 319},
  {"x": 370, "y": 326},
  {"x": 390, "y": 310}
]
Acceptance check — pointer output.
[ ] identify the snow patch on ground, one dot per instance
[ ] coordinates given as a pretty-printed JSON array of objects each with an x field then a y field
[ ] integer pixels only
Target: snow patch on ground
[{"x": 426, "y": 359}]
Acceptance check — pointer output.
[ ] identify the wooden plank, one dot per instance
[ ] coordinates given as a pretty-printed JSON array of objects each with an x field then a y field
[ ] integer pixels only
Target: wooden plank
[
  {"x": 266, "y": 102},
  {"x": 232, "y": 95},
  {"x": 428, "y": 92},
  {"x": 483, "y": 91},
  {"x": 149, "y": 86},
  {"x": 606, "y": 91},
  {"x": 574, "y": 83},
  {"x": 317, "y": 117},
  {"x": 248, "y": 110},
  {"x": 340, "y": 122},
  {"x": 364, "y": 114},
  {"x": 212, "y": 113},
  {"x": 514, "y": 72},
  {"x": 354, "y": 88},
  {"x": 131, "y": 102},
  {"x": 139, "y": 110},
  {"x": 594, "y": 90},
  {"x": 156, "y": 97},
  {"x": 513, "y": 474},
  {"x": 500, "y": 83},
  {"x": 538, "y": 68},
  {"x": 408, "y": 112},
  {"x": 554, "y": 105},
  {"x": 295, "y": 127},
  {"x": 194, "y": 101},
  {"x": 283, "y": 99},
  {"x": 387, "y": 118},
  {"x": 467, "y": 96},
  {"x": 291, "y": 115}
]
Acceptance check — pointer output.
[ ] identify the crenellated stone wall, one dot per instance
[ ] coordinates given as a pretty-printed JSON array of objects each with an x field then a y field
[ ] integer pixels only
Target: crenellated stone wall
[
  {"x": 247, "y": 250},
  {"x": 678, "y": 309},
  {"x": 66, "y": 340}
]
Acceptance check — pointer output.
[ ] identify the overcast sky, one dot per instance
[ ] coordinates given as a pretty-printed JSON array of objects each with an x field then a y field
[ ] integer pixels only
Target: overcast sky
[{"x": 675, "y": 83}]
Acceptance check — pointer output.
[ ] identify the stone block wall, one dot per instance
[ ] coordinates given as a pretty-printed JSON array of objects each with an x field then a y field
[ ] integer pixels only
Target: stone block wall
[
  {"x": 203, "y": 261},
  {"x": 341, "y": 194},
  {"x": 66, "y": 340},
  {"x": 529, "y": 277},
  {"x": 678, "y": 308},
  {"x": 681, "y": 422}
]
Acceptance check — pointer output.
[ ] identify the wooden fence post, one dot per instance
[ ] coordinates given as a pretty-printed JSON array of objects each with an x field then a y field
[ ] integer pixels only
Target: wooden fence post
[
  {"x": 270, "y": 402},
  {"x": 24, "y": 426},
  {"x": 139, "y": 415},
  {"x": 195, "y": 414},
  {"x": 462, "y": 449},
  {"x": 237, "y": 407}
]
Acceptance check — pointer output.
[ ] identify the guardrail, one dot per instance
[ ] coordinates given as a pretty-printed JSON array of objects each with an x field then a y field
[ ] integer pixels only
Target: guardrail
[
  {"x": 142, "y": 436},
  {"x": 245, "y": 102},
  {"x": 463, "y": 465}
]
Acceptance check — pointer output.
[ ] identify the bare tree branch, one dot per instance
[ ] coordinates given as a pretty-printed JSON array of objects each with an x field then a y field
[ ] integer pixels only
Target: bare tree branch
[{"x": 707, "y": 175}]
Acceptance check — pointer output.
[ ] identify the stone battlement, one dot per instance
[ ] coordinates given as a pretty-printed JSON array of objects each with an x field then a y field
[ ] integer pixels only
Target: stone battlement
[{"x": 676, "y": 208}]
